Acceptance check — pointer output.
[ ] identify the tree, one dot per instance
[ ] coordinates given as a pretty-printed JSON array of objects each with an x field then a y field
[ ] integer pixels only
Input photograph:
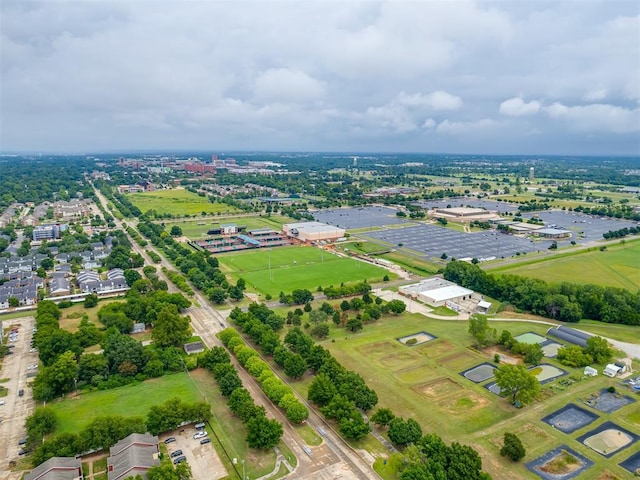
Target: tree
[
  {"x": 263, "y": 433},
  {"x": 574, "y": 356},
  {"x": 218, "y": 295},
  {"x": 396, "y": 306},
  {"x": 40, "y": 423},
  {"x": 354, "y": 325},
  {"x": 131, "y": 276},
  {"x": 14, "y": 302},
  {"x": 354, "y": 427},
  {"x": 91, "y": 300},
  {"x": 176, "y": 231},
  {"x": 512, "y": 447},
  {"x": 320, "y": 331},
  {"x": 322, "y": 390},
  {"x": 479, "y": 330},
  {"x": 382, "y": 417},
  {"x": 119, "y": 348},
  {"x": 91, "y": 366},
  {"x": 301, "y": 296},
  {"x": 533, "y": 353},
  {"x": 318, "y": 316},
  {"x": 517, "y": 381},
  {"x": 170, "y": 328},
  {"x": 51, "y": 346},
  {"x": 599, "y": 349},
  {"x": 403, "y": 432}
]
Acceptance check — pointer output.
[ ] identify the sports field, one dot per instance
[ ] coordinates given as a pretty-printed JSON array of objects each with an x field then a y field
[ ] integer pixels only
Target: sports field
[
  {"x": 177, "y": 202},
  {"x": 288, "y": 268},
  {"x": 618, "y": 266}
]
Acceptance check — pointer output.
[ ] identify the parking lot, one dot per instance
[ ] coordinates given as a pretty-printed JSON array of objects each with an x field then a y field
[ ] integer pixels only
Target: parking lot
[
  {"x": 432, "y": 241},
  {"x": 500, "y": 207},
  {"x": 592, "y": 226},
  {"x": 203, "y": 459},
  {"x": 16, "y": 409},
  {"x": 361, "y": 217}
]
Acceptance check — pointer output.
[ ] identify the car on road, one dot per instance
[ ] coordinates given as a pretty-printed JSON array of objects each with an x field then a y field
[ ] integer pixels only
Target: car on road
[
  {"x": 205, "y": 440},
  {"x": 198, "y": 435},
  {"x": 1, "y": 402},
  {"x": 180, "y": 460},
  {"x": 175, "y": 454},
  {"x": 170, "y": 440}
]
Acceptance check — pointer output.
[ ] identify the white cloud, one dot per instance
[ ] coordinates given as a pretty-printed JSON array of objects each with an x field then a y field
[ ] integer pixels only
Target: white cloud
[
  {"x": 456, "y": 128},
  {"x": 596, "y": 117},
  {"x": 429, "y": 123},
  {"x": 287, "y": 86},
  {"x": 517, "y": 107},
  {"x": 439, "y": 100},
  {"x": 595, "y": 95}
]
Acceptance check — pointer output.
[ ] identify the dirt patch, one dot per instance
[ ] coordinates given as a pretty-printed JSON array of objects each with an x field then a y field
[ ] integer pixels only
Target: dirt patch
[
  {"x": 458, "y": 361},
  {"x": 608, "y": 441},
  {"x": 561, "y": 464},
  {"x": 438, "y": 388},
  {"x": 504, "y": 356},
  {"x": 466, "y": 402},
  {"x": 396, "y": 360},
  {"x": 607, "y": 475},
  {"x": 415, "y": 375},
  {"x": 530, "y": 435},
  {"x": 377, "y": 349},
  {"x": 437, "y": 348}
]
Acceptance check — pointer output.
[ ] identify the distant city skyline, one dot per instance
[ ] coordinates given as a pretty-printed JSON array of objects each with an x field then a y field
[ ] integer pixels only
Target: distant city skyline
[{"x": 486, "y": 77}]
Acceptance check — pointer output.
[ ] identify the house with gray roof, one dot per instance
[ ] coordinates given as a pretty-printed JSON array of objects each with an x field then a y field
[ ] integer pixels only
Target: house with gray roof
[
  {"x": 132, "y": 456},
  {"x": 57, "y": 468}
]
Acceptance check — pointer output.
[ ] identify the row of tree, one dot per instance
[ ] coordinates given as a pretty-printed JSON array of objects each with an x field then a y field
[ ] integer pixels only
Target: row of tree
[
  {"x": 262, "y": 432},
  {"x": 279, "y": 393},
  {"x": 562, "y": 301}
]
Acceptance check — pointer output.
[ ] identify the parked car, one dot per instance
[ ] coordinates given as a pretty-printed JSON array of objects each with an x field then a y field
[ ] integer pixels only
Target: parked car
[
  {"x": 170, "y": 440},
  {"x": 21, "y": 392},
  {"x": 175, "y": 454},
  {"x": 1, "y": 402},
  {"x": 22, "y": 442},
  {"x": 180, "y": 460},
  {"x": 205, "y": 440},
  {"x": 198, "y": 435}
]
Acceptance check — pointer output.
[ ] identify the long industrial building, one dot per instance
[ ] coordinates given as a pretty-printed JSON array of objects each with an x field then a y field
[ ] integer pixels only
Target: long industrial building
[{"x": 309, "y": 232}]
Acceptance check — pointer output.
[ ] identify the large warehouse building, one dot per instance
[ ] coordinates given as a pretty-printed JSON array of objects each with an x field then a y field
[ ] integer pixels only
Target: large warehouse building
[
  {"x": 436, "y": 292},
  {"x": 313, "y": 231}
]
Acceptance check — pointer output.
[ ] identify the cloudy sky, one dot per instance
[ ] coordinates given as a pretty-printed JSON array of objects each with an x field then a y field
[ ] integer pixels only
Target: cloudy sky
[{"x": 466, "y": 76}]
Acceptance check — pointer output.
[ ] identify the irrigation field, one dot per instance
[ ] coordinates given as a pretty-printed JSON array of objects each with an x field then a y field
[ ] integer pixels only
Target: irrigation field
[
  {"x": 288, "y": 268},
  {"x": 618, "y": 266},
  {"x": 178, "y": 203}
]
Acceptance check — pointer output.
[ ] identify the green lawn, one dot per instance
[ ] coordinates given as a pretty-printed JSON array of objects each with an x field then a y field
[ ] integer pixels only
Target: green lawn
[
  {"x": 74, "y": 413},
  {"x": 618, "y": 266},
  {"x": 297, "y": 267},
  {"x": 196, "y": 229},
  {"x": 177, "y": 202},
  {"x": 424, "y": 383}
]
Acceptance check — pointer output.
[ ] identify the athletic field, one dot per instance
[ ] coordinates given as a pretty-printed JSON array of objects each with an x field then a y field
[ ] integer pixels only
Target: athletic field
[
  {"x": 177, "y": 202},
  {"x": 288, "y": 268},
  {"x": 618, "y": 266}
]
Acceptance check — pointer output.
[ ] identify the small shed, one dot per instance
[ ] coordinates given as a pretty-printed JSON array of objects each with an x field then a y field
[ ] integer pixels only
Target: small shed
[
  {"x": 483, "y": 306},
  {"x": 611, "y": 370},
  {"x": 193, "y": 347},
  {"x": 590, "y": 372},
  {"x": 138, "y": 328}
]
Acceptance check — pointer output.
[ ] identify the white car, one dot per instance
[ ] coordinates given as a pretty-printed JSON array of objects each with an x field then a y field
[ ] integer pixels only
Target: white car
[
  {"x": 1, "y": 402},
  {"x": 32, "y": 367},
  {"x": 198, "y": 435}
]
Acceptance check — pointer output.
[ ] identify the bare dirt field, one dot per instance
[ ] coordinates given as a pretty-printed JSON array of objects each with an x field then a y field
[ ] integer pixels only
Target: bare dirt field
[{"x": 437, "y": 388}]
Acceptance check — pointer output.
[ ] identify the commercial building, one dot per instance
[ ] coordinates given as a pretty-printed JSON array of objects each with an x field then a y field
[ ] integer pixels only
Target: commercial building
[
  {"x": 436, "y": 292},
  {"x": 465, "y": 214},
  {"x": 49, "y": 231},
  {"x": 313, "y": 231}
]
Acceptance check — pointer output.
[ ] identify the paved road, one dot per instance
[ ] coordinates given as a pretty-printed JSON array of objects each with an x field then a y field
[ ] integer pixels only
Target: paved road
[{"x": 334, "y": 458}]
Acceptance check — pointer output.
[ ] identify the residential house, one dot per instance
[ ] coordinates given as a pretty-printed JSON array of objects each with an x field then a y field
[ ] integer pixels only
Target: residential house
[
  {"x": 57, "y": 468},
  {"x": 59, "y": 286},
  {"x": 132, "y": 456}
]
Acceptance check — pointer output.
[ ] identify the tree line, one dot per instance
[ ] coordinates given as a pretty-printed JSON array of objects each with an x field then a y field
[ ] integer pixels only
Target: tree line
[{"x": 564, "y": 301}]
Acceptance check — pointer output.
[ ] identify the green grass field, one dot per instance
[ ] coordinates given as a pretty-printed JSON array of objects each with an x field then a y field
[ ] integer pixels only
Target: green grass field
[
  {"x": 297, "y": 267},
  {"x": 196, "y": 229},
  {"x": 177, "y": 202},
  {"x": 618, "y": 266},
  {"x": 74, "y": 413},
  {"x": 424, "y": 383}
]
